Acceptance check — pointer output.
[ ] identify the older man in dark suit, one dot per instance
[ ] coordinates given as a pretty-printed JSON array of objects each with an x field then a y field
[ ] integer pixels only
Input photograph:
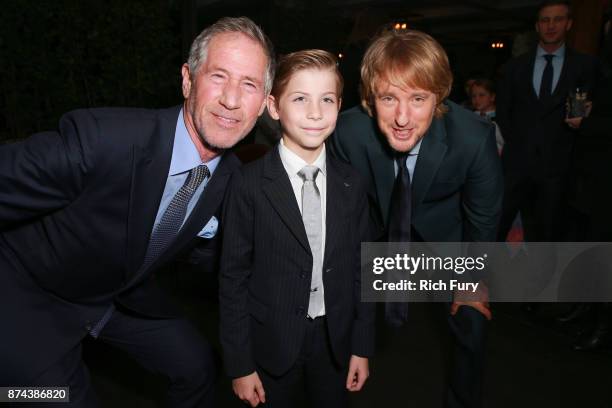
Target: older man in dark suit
[
  {"x": 89, "y": 213},
  {"x": 531, "y": 109},
  {"x": 433, "y": 170}
]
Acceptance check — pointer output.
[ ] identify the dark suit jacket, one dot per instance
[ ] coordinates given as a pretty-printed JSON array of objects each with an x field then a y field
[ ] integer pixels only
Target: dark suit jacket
[
  {"x": 538, "y": 142},
  {"x": 76, "y": 212},
  {"x": 591, "y": 172},
  {"x": 266, "y": 267},
  {"x": 457, "y": 183}
]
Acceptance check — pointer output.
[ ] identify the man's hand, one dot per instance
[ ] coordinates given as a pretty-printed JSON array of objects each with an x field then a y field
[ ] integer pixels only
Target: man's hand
[
  {"x": 482, "y": 307},
  {"x": 479, "y": 300},
  {"x": 358, "y": 373},
  {"x": 249, "y": 389}
]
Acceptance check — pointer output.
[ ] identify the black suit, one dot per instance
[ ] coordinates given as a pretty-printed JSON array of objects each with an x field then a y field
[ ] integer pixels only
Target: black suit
[
  {"x": 76, "y": 213},
  {"x": 266, "y": 269},
  {"x": 537, "y": 153},
  {"x": 456, "y": 196}
]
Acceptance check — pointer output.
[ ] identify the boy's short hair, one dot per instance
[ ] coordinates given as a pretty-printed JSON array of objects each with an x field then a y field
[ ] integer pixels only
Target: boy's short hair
[
  {"x": 301, "y": 60},
  {"x": 485, "y": 83},
  {"x": 406, "y": 58}
]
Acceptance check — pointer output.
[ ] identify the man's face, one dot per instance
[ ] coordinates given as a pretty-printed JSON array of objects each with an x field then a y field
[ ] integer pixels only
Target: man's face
[
  {"x": 226, "y": 95},
  {"x": 553, "y": 24},
  {"x": 403, "y": 114}
]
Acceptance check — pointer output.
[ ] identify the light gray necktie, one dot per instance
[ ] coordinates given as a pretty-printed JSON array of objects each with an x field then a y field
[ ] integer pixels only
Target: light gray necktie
[{"x": 311, "y": 214}]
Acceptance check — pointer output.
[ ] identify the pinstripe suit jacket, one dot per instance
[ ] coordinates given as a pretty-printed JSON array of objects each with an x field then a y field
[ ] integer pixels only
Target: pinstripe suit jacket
[{"x": 266, "y": 267}]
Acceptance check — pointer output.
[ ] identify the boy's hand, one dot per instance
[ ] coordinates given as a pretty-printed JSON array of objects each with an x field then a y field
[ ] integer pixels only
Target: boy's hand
[
  {"x": 358, "y": 373},
  {"x": 249, "y": 389}
]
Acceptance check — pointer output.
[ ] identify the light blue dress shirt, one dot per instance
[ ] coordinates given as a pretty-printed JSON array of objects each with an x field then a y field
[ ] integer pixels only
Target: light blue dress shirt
[
  {"x": 540, "y": 64},
  {"x": 410, "y": 160},
  {"x": 185, "y": 157}
]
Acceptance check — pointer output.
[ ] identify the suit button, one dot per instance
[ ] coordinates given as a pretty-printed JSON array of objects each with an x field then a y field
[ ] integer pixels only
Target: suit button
[{"x": 303, "y": 275}]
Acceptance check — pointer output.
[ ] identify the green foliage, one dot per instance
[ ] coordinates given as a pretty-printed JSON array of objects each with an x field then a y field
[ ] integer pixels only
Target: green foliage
[{"x": 66, "y": 54}]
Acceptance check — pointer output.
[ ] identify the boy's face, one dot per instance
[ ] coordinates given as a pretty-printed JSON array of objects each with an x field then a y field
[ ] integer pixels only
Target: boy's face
[
  {"x": 307, "y": 110},
  {"x": 482, "y": 100},
  {"x": 403, "y": 114}
]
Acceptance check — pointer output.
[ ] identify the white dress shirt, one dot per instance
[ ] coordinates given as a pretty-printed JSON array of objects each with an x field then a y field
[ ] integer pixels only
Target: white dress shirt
[{"x": 293, "y": 164}]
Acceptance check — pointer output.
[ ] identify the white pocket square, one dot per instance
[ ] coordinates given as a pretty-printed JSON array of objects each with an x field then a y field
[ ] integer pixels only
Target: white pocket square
[{"x": 210, "y": 229}]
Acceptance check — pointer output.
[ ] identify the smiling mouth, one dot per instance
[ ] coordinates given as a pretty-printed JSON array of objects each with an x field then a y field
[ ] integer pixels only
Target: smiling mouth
[
  {"x": 313, "y": 129},
  {"x": 403, "y": 134},
  {"x": 224, "y": 120}
]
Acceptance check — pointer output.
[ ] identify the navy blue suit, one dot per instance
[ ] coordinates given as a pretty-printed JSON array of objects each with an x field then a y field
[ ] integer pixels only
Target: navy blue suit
[{"x": 77, "y": 209}]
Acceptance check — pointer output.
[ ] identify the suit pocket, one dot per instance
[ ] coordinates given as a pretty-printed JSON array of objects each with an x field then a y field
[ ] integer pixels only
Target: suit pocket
[{"x": 258, "y": 310}]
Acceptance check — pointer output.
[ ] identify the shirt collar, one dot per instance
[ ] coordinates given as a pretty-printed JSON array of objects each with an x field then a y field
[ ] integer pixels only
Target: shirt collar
[
  {"x": 559, "y": 53},
  {"x": 294, "y": 163},
  {"x": 415, "y": 150},
  {"x": 185, "y": 156}
]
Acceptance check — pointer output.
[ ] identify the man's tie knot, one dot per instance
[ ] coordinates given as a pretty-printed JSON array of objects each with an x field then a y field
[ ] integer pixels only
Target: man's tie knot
[
  {"x": 196, "y": 175},
  {"x": 549, "y": 58},
  {"x": 401, "y": 161},
  {"x": 309, "y": 173}
]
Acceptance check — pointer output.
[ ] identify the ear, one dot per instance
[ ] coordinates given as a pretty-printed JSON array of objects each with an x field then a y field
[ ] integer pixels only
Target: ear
[
  {"x": 537, "y": 28},
  {"x": 569, "y": 24},
  {"x": 186, "y": 83},
  {"x": 339, "y": 104},
  {"x": 263, "y": 106},
  {"x": 272, "y": 108}
]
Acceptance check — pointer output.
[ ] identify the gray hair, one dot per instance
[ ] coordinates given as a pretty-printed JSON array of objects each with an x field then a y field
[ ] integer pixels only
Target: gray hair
[{"x": 242, "y": 25}]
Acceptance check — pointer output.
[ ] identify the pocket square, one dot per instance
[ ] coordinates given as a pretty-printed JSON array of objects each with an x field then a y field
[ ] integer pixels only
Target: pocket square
[{"x": 210, "y": 229}]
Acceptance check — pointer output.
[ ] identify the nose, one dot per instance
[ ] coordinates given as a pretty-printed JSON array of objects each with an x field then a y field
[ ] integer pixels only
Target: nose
[
  {"x": 230, "y": 97},
  {"x": 402, "y": 114},
  {"x": 314, "y": 111}
]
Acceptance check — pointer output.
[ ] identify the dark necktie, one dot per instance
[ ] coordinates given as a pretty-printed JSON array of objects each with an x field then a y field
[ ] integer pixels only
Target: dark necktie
[
  {"x": 401, "y": 202},
  {"x": 173, "y": 217},
  {"x": 166, "y": 230},
  {"x": 547, "y": 78},
  {"x": 396, "y": 313}
]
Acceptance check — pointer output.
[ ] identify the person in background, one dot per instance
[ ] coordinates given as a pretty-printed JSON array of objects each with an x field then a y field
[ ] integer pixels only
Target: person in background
[
  {"x": 530, "y": 113},
  {"x": 482, "y": 94},
  {"x": 591, "y": 192}
]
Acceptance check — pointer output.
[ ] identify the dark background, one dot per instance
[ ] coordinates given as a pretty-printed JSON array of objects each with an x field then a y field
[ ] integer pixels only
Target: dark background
[{"x": 65, "y": 54}]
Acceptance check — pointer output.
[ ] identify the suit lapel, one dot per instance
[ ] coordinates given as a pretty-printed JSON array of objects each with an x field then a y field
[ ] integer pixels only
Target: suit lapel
[
  {"x": 383, "y": 175},
  {"x": 279, "y": 192},
  {"x": 528, "y": 78},
  {"x": 432, "y": 151},
  {"x": 337, "y": 199},
  {"x": 149, "y": 175},
  {"x": 207, "y": 205}
]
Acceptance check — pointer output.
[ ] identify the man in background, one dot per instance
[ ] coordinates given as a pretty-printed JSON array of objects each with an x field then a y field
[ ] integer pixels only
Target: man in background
[{"x": 530, "y": 113}]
